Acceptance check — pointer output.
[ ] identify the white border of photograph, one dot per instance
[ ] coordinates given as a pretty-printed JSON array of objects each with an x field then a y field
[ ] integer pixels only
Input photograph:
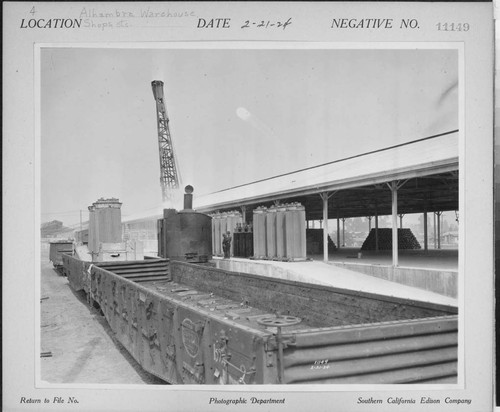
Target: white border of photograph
[{"x": 21, "y": 187}]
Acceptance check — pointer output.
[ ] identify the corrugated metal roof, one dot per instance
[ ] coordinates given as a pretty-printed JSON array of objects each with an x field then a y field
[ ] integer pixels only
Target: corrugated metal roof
[{"x": 427, "y": 156}]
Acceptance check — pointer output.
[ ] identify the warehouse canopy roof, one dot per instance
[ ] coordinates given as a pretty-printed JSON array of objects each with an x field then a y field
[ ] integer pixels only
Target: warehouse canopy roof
[{"x": 429, "y": 166}]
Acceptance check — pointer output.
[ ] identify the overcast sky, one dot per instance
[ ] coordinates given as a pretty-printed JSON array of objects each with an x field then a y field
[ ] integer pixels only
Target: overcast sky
[{"x": 235, "y": 116}]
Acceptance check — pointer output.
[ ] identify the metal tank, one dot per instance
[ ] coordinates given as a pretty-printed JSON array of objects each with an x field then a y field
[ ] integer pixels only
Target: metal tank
[
  {"x": 295, "y": 229},
  {"x": 216, "y": 235},
  {"x": 280, "y": 232},
  {"x": 185, "y": 235},
  {"x": 259, "y": 232},
  {"x": 104, "y": 224},
  {"x": 271, "y": 232}
]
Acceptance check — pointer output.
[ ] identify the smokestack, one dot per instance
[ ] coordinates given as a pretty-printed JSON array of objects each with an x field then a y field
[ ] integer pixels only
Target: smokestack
[{"x": 188, "y": 197}]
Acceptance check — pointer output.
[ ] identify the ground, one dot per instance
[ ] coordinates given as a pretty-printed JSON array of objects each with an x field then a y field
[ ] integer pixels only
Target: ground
[{"x": 81, "y": 344}]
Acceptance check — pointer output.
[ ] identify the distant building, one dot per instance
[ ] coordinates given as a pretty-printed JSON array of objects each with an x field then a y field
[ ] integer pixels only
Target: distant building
[
  {"x": 54, "y": 229},
  {"x": 450, "y": 238}
]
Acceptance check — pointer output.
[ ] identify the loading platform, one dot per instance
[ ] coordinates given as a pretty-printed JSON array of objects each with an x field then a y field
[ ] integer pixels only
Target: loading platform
[{"x": 330, "y": 274}]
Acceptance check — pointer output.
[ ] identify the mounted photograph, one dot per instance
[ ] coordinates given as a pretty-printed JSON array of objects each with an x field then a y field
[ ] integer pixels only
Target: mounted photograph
[
  {"x": 259, "y": 214},
  {"x": 254, "y": 205}
]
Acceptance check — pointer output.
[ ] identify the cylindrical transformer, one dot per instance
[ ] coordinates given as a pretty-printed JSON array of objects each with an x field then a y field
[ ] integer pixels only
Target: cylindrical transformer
[
  {"x": 186, "y": 235},
  {"x": 217, "y": 245},
  {"x": 259, "y": 232},
  {"x": 271, "y": 233},
  {"x": 280, "y": 232},
  {"x": 295, "y": 222},
  {"x": 104, "y": 223}
]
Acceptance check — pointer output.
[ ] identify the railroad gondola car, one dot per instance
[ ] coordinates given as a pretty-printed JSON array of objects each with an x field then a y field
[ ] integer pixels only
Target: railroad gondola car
[
  {"x": 56, "y": 251},
  {"x": 202, "y": 325}
]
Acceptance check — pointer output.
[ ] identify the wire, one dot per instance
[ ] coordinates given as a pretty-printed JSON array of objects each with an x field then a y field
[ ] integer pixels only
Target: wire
[
  {"x": 339, "y": 160},
  {"x": 66, "y": 212}
]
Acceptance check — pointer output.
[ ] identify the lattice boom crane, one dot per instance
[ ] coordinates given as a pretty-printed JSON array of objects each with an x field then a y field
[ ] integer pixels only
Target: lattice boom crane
[{"x": 169, "y": 173}]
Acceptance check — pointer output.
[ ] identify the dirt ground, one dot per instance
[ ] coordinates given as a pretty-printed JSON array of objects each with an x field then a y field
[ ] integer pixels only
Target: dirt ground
[{"x": 80, "y": 343}]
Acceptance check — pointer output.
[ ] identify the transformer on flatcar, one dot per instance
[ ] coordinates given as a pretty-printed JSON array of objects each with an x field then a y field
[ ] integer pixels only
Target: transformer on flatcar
[{"x": 185, "y": 235}]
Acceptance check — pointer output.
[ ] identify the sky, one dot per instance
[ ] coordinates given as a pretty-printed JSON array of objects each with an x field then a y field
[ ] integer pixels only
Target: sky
[{"x": 236, "y": 116}]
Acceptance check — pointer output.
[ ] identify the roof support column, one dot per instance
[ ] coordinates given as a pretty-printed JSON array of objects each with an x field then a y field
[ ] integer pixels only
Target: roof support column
[
  {"x": 395, "y": 249},
  {"x": 369, "y": 223},
  {"x": 338, "y": 233},
  {"x": 434, "y": 227},
  {"x": 343, "y": 232},
  {"x": 426, "y": 242},
  {"x": 376, "y": 224},
  {"x": 394, "y": 186},
  {"x": 438, "y": 214},
  {"x": 325, "y": 196},
  {"x": 244, "y": 214}
]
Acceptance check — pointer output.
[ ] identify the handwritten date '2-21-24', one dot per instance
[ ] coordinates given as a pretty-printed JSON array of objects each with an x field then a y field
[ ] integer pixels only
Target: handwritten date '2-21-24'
[{"x": 267, "y": 23}]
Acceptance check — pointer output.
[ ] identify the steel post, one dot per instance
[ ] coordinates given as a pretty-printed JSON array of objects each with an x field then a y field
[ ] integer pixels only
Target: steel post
[
  {"x": 338, "y": 233},
  {"x": 325, "y": 196},
  {"x": 394, "y": 190},
  {"x": 434, "y": 227},
  {"x": 343, "y": 232},
  {"x": 244, "y": 214},
  {"x": 426, "y": 243},
  {"x": 439, "y": 214}
]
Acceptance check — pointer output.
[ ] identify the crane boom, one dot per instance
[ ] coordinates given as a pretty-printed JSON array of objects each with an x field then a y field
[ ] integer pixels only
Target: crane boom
[{"x": 169, "y": 173}]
